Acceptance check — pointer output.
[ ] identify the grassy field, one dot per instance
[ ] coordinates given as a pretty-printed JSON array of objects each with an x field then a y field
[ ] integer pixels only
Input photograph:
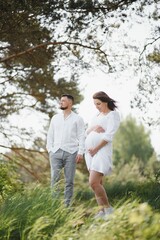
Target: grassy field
[{"x": 32, "y": 213}]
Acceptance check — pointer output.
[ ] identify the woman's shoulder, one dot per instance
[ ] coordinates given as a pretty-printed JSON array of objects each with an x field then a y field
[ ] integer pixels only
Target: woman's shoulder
[{"x": 114, "y": 114}]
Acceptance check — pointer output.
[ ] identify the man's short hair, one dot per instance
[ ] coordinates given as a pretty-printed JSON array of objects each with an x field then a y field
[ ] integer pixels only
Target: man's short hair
[{"x": 68, "y": 96}]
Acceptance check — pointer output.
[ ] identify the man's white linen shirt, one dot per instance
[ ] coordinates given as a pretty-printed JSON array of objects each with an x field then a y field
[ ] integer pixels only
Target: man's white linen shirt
[{"x": 67, "y": 133}]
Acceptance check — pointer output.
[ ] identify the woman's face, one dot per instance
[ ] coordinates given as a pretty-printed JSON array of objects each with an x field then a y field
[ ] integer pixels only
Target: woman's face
[{"x": 101, "y": 106}]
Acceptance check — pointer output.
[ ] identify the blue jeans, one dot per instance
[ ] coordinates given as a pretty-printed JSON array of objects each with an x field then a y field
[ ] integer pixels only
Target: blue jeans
[{"x": 58, "y": 160}]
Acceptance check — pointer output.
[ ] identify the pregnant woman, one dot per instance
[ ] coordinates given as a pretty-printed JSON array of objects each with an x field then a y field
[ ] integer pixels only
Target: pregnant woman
[{"x": 98, "y": 145}]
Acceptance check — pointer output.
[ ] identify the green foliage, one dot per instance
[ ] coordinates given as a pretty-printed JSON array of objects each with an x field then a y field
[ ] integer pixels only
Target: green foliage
[
  {"x": 130, "y": 221},
  {"x": 9, "y": 180},
  {"x": 152, "y": 169},
  {"x": 145, "y": 191},
  {"x": 35, "y": 215},
  {"x": 125, "y": 183},
  {"x": 154, "y": 57},
  {"x": 32, "y": 165},
  {"x": 132, "y": 142}
]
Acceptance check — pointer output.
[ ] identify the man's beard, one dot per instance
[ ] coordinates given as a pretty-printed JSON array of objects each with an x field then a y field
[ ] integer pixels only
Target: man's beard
[{"x": 63, "y": 108}]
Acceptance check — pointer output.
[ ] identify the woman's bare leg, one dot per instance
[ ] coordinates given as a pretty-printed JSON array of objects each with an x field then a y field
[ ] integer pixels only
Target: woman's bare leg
[{"x": 95, "y": 182}]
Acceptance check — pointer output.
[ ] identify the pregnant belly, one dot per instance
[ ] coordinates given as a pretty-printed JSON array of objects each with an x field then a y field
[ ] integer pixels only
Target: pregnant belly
[{"x": 93, "y": 139}]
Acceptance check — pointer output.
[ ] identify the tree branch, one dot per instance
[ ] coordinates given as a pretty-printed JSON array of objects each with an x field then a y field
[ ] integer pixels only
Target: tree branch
[
  {"x": 10, "y": 95},
  {"x": 42, "y": 45},
  {"x": 3, "y": 48},
  {"x": 145, "y": 47},
  {"x": 25, "y": 149},
  {"x": 32, "y": 173}
]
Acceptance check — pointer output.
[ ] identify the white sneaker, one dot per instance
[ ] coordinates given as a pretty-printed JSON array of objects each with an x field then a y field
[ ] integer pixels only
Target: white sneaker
[
  {"x": 107, "y": 212},
  {"x": 103, "y": 214},
  {"x": 100, "y": 215}
]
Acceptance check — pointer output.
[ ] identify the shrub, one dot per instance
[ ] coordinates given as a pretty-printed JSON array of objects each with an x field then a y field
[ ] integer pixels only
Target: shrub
[{"x": 9, "y": 180}]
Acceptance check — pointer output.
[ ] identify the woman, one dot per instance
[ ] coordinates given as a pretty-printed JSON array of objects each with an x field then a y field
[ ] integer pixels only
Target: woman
[{"x": 98, "y": 144}]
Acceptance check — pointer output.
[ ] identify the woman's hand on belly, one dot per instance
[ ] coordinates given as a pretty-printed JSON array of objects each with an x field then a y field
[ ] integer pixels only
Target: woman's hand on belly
[
  {"x": 98, "y": 129},
  {"x": 92, "y": 151}
]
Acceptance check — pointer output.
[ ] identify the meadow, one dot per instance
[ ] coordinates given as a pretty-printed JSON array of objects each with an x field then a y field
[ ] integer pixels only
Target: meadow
[{"x": 30, "y": 212}]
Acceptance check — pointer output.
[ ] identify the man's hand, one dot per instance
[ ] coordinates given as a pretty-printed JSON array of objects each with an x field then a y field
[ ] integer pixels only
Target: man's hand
[{"x": 79, "y": 158}]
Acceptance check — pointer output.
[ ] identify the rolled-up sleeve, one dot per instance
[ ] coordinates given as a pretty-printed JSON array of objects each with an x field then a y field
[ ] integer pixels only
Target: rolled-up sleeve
[{"x": 113, "y": 123}]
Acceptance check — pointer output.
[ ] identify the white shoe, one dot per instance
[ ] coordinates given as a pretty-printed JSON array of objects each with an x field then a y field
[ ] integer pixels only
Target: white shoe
[
  {"x": 107, "y": 212},
  {"x": 103, "y": 214},
  {"x": 100, "y": 215}
]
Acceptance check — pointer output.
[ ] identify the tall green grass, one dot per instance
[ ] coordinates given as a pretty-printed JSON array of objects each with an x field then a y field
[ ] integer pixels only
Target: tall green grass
[
  {"x": 35, "y": 209},
  {"x": 35, "y": 215},
  {"x": 31, "y": 212},
  {"x": 144, "y": 191}
]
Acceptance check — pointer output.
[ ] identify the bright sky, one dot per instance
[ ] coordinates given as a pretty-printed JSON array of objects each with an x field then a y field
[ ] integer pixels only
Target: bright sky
[{"x": 98, "y": 81}]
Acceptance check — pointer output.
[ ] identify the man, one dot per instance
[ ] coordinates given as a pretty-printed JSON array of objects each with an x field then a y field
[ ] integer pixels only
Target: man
[{"x": 65, "y": 144}]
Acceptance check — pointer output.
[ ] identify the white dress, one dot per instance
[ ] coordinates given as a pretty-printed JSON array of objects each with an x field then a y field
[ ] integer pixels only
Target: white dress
[{"x": 102, "y": 160}]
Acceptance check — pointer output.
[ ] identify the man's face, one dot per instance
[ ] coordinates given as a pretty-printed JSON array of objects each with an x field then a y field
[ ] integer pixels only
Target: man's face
[{"x": 65, "y": 103}]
